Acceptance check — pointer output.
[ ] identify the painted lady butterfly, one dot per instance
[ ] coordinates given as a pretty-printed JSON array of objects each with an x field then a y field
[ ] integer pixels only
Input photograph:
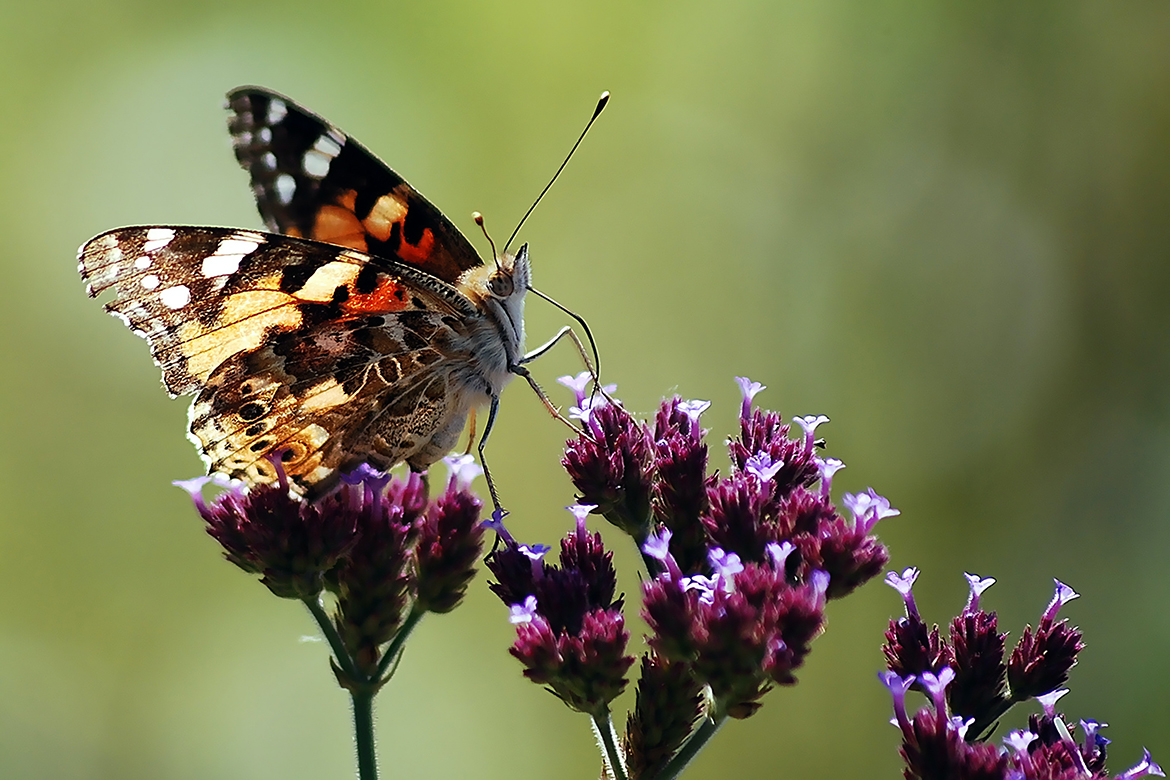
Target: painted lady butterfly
[{"x": 365, "y": 333}]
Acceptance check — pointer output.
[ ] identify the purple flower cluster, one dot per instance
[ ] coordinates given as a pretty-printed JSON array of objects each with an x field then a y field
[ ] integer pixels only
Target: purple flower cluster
[
  {"x": 741, "y": 567},
  {"x": 970, "y": 686},
  {"x": 377, "y": 543},
  {"x": 570, "y": 631}
]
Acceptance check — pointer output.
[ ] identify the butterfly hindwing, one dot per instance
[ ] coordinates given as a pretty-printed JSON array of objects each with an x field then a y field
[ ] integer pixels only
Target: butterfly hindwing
[
  {"x": 312, "y": 180},
  {"x": 330, "y": 355}
]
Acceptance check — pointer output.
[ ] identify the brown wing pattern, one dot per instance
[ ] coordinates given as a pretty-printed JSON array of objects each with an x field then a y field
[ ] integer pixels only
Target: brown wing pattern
[
  {"x": 327, "y": 355},
  {"x": 311, "y": 180}
]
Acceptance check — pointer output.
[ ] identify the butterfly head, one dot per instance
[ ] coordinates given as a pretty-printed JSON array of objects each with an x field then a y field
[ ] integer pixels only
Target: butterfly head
[{"x": 511, "y": 275}]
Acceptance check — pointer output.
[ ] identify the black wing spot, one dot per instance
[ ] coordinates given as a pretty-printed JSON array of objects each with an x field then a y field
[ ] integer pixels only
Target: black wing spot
[
  {"x": 255, "y": 430},
  {"x": 294, "y": 277},
  {"x": 365, "y": 201},
  {"x": 340, "y": 294},
  {"x": 413, "y": 225},
  {"x": 367, "y": 280},
  {"x": 252, "y": 411},
  {"x": 260, "y": 446}
]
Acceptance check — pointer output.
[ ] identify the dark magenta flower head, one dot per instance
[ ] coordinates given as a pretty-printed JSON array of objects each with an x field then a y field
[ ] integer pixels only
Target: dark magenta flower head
[
  {"x": 611, "y": 463},
  {"x": 680, "y": 483},
  {"x": 570, "y": 631},
  {"x": 270, "y": 531},
  {"x": 450, "y": 540},
  {"x": 1041, "y": 660},
  {"x": 376, "y": 582}
]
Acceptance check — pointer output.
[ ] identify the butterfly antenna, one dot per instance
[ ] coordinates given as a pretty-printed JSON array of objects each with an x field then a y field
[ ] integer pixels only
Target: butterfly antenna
[
  {"x": 479, "y": 221},
  {"x": 596, "y": 113},
  {"x": 584, "y": 326}
]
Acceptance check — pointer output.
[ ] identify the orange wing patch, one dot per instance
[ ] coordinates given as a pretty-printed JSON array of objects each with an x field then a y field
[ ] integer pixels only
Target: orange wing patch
[{"x": 338, "y": 223}]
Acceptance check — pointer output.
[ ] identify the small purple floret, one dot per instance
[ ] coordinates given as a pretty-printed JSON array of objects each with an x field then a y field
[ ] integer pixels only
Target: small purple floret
[
  {"x": 657, "y": 545},
  {"x": 978, "y": 585},
  {"x": 462, "y": 470},
  {"x": 496, "y": 523},
  {"x": 578, "y": 384},
  {"x": 897, "y": 686},
  {"x": 581, "y": 511},
  {"x": 1064, "y": 594},
  {"x": 827, "y": 467},
  {"x": 749, "y": 390},
  {"x": 534, "y": 552},
  {"x": 762, "y": 465},
  {"x": 936, "y": 686},
  {"x": 1048, "y": 701},
  {"x": 693, "y": 410},
  {"x": 725, "y": 565},
  {"x": 903, "y": 583},
  {"x": 778, "y": 553},
  {"x": 1144, "y": 768},
  {"x": 1019, "y": 740},
  {"x": 522, "y": 613},
  {"x": 809, "y": 423}
]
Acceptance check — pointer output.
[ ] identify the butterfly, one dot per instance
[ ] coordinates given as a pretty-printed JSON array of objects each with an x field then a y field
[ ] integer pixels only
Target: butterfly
[{"x": 364, "y": 328}]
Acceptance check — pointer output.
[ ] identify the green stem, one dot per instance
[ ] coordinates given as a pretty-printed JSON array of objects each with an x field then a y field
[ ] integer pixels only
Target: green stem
[
  {"x": 614, "y": 760},
  {"x": 363, "y": 734},
  {"x": 395, "y": 647},
  {"x": 344, "y": 662},
  {"x": 690, "y": 749}
]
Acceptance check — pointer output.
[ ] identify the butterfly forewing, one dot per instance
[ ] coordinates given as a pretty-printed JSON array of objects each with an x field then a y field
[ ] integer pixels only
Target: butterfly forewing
[
  {"x": 311, "y": 180},
  {"x": 331, "y": 356}
]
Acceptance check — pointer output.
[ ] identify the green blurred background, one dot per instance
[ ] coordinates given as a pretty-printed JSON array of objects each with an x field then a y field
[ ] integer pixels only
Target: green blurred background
[{"x": 943, "y": 225}]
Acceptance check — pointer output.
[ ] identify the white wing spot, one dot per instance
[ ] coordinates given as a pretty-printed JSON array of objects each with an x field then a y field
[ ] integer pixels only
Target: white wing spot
[
  {"x": 228, "y": 255},
  {"x": 327, "y": 146},
  {"x": 316, "y": 164},
  {"x": 175, "y": 297},
  {"x": 242, "y": 138},
  {"x": 142, "y": 263},
  {"x": 237, "y": 245},
  {"x": 149, "y": 282},
  {"x": 221, "y": 265},
  {"x": 277, "y": 111},
  {"x": 269, "y": 161},
  {"x": 285, "y": 187},
  {"x": 265, "y": 135},
  {"x": 157, "y": 238},
  {"x": 337, "y": 136}
]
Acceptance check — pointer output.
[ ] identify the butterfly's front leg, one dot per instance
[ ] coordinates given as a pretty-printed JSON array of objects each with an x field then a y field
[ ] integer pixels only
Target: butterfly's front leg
[
  {"x": 487, "y": 474},
  {"x": 519, "y": 370}
]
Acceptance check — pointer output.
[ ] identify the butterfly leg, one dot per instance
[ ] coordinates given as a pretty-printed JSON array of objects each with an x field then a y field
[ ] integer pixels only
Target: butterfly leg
[
  {"x": 487, "y": 429},
  {"x": 545, "y": 347},
  {"x": 519, "y": 370}
]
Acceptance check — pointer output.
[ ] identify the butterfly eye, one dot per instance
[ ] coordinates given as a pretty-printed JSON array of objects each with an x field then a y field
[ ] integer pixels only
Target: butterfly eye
[{"x": 500, "y": 285}]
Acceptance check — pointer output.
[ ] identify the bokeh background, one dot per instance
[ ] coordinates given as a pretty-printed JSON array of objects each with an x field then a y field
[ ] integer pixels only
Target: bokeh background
[{"x": 946, "y": 226}]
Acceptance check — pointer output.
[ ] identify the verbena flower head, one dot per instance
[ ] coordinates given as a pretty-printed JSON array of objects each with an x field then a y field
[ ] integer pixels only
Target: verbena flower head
[
  {"x": 267, "y": 530},
  {"x": 974, "y": 688},
  {"x": 376, "y": 541},
  {"x": 570, "y": 631},
  {"x": 742, "y": 565}
]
